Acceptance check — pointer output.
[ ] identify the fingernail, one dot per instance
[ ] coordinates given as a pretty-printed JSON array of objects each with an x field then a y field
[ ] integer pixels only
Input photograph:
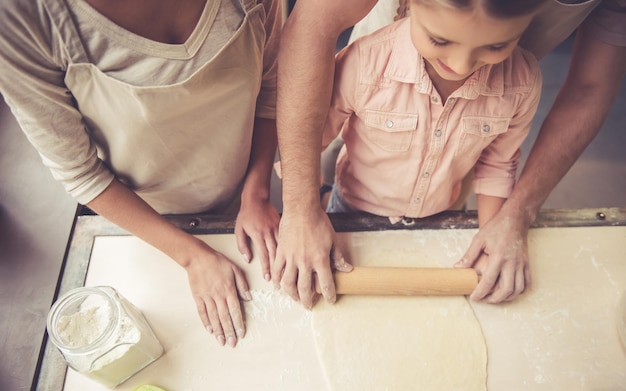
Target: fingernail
[
  {"x": 240, "y": 333},
  {"x": 209, "y": 329},
  {"x": 342, "y": 265},
  {"x": 247, "y": 295},
  {"x": 245, "y": 258},
  {"x": 221, "y": 340},
  {"x": 267, "y": 277},
  {"x": 231, "y": 342}
]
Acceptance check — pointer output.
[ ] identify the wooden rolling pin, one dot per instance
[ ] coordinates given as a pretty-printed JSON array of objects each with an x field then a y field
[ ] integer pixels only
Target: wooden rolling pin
[{"x": 404, "y": 281}]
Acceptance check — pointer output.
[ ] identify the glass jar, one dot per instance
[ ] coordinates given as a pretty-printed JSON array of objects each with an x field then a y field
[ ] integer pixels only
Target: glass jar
[{"x": 102, "y": 335}]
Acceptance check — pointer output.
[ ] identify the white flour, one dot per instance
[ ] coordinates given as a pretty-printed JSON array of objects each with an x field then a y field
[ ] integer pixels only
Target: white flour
[
  {"x": 85, "y": 326},
  {"x": 115, "y": 359}
]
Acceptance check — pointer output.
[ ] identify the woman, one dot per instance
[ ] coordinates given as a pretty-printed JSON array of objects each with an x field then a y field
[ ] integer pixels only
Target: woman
[{"x": 142, "y": 108}]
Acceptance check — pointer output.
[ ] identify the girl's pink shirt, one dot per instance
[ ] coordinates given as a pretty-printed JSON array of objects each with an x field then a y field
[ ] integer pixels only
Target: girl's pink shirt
[{"x": 405, "y": 151}]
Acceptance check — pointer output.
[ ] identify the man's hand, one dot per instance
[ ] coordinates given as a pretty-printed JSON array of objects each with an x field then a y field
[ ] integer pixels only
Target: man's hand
[
  {"x": 305, "y": 248},
  {"x": 499, "y": 253}
]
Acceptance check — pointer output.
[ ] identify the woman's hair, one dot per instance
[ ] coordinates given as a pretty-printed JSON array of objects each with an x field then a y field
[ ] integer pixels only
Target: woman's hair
[{"x": 493, "y": 8}]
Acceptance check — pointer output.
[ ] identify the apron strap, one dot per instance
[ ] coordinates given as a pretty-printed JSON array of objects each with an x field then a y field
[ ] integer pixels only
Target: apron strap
[
  {"x": 248, "y": 4},
  {"x": 61, "y": 18}
]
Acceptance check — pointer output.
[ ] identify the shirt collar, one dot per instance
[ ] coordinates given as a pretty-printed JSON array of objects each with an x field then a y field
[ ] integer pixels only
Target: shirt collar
[{"x": 488, "y": 80}]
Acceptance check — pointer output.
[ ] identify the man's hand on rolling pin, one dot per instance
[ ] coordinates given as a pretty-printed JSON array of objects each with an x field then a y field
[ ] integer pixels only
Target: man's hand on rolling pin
[
  {"x": 215, "y": 282},
  {"x": 305, "y": 246},
  {"x": 499, "y": 253}
]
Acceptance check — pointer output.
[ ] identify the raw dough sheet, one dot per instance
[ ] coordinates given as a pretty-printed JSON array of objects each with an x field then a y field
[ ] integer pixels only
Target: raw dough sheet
[
  {"x": 400, "y": 343},
  {"x": 561, "y": 334}
]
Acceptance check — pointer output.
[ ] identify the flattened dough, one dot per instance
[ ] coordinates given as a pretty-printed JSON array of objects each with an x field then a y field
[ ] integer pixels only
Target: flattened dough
[{"x": 399, "y": 343}]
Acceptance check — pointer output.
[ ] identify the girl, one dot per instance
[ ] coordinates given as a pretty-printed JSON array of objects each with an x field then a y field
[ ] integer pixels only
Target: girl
[{"x": 423, "y": 101}]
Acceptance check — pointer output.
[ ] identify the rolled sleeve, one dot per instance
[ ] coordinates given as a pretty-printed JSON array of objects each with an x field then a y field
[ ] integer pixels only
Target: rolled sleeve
[
  {"x": 495, "y": 171},
  {"x": 496, "y": 180},
  {"x": 32, "y": 84},
  {"x": 347, "y": 66}
]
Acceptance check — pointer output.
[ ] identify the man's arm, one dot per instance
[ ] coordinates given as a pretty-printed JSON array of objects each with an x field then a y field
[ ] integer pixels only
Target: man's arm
[
  {"x": 596, "y": 71},
  {"x": 305, "y": 77}
]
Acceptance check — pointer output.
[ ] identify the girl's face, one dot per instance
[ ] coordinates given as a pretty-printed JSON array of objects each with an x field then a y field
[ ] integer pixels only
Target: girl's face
[{"x": 455, "y": 43}]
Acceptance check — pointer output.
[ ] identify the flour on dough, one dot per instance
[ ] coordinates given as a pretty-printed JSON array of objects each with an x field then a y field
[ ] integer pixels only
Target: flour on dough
[{"x": 400, "y": 343}]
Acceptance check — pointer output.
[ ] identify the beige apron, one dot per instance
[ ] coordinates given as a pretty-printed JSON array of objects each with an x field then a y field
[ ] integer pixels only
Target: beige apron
[{"x": 184, "y": 147}]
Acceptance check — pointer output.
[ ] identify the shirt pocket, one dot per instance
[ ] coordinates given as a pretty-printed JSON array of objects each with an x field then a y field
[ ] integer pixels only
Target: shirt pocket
[
  {"x": 390, "y": 131},
  {"x": 478, "y": 132}
]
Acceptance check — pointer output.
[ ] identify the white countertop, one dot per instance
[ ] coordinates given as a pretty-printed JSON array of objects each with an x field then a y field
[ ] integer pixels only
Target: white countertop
[{"x": 561, "y": 334}]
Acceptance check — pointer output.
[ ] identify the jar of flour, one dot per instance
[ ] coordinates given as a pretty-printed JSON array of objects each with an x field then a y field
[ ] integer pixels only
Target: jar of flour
[{"x": 102, "y": 335}]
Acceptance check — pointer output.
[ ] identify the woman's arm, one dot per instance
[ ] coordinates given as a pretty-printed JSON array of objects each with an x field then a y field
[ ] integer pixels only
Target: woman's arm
[
  {"x": 257, "y": 222},
  {"x": 258, "y": 219},
  {"x": 215, "y": 281}
]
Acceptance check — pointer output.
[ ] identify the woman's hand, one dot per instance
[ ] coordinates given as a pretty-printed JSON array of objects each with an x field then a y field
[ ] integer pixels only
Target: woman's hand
[
  {"x": 256, "y": 231},
  {"x": 216, "y": 285}
]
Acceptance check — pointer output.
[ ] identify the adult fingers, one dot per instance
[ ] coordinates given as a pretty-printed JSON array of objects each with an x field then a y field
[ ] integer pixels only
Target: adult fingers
[
  {"x": 339, "y": 262},
  {"x": 488, "y": 280},
  {"x": 201, "y": 307},
  {"x": 271, "y": 243},
  {"x": 504, "y": 288},
  {"x": 325, "y": 282},
  {"x": 306, "y": 290},
  {"x": 289, "y": 281},
  {"x": 262, "y": 254},
  {"x": 277, "y": 268},
  {"x": 267, "y": 253},
  {"x": 522, "y": 282},
  {"x": 224, "y": 314},
  {"x": 527, "y": 276},
  {"x": 243, "y": 243},
  {"x": 236, "y": 315},
  {"x": 215, "y": 325},
  {"x": 241, "y": 284},
  {"x": 473, "y": 253}
]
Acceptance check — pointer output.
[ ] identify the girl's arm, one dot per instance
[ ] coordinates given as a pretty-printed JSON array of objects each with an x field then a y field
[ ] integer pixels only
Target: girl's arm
[{"x": 488, "y": 206}]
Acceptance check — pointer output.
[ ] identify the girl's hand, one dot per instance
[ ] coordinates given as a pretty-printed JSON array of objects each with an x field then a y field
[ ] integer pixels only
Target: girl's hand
[
  {"x": 215, "y": 285},
  {"x": 257, "y": 228}
]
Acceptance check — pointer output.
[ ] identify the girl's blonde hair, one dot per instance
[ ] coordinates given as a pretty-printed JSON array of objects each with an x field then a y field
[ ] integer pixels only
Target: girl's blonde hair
[{"x": 494, "y": 8}]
